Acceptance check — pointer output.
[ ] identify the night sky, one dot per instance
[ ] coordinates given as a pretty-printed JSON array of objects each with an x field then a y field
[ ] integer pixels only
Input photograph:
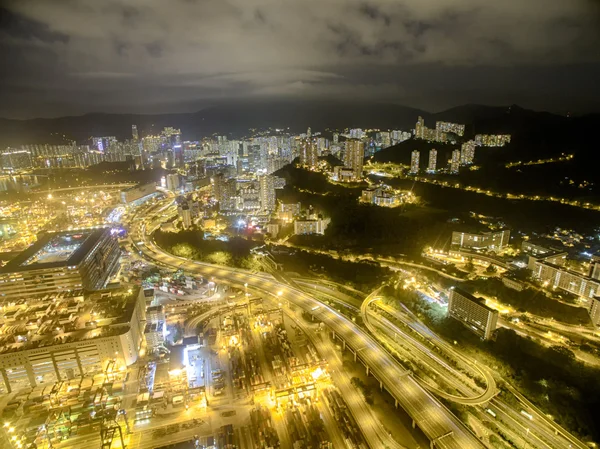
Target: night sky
[{"x": 64, "y": 57}]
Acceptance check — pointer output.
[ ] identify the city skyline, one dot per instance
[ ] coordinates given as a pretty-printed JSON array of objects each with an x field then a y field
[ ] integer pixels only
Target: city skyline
[{"x": 152, "y": 58}]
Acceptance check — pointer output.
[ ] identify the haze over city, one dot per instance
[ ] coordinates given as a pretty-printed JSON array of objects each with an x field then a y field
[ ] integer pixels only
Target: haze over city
[{"x": 299, "y": 225}]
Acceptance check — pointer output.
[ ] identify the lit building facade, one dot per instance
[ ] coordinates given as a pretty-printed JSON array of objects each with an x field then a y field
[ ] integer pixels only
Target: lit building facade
[
  {"x": 549, "y": 270},
  {"x": 62, "y": 261},
  {"x": 467, "y": 153},
  {"x": 309, "y": 156},
  {"x": 354, "y": 156},
  {"x": 491, "y": 240},
  {"x": 472, "y": 313},
  {"x": 312, "y": 226},
  {"x": 84, "y": 352},
  {"x": 455, "y": 162},
  {"x": 415, "y": 159},
  {"x": 431, "y": 166}
]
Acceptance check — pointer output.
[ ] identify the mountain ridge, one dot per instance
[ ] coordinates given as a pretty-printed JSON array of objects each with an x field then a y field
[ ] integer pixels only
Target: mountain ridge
[{"x": 236, "y": 118}]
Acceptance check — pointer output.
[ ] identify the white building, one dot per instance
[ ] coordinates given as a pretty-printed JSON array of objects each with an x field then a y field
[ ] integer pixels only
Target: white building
[
  {"x": 415, "y": 157},
  {"x": 311, "y": 226},
  {"x": 432, "y": 161},
  {"x": 455, "y": 162},
  {"x": 472, "y": 312}
]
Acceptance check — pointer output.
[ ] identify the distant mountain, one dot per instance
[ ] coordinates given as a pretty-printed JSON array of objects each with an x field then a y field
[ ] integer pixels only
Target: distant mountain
[
  {"x": 535, "y": 134},
  {"x": 234, "y": 119}
]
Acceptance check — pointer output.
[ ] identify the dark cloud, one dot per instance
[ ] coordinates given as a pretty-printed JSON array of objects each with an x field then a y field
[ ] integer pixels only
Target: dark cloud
[{"x": 76, "y": 56}]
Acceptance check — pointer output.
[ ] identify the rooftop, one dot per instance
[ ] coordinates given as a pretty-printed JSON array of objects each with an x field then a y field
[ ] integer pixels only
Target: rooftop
[{"x": 56, "y": 249}]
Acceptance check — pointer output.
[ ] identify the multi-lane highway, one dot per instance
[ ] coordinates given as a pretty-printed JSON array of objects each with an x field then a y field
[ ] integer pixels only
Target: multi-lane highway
[
  {"x": 436, "y": 422},
  {"x": 539, "y": 432}
]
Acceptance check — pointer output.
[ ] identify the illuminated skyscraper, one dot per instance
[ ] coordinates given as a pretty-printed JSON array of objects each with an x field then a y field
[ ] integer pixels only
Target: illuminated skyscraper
[
  {"x": 467, "y": 153},
  {"x": 267, "y": 193},
  {"x": 455, "y": 162},
  {"x": 134, "y": 133},
  {"x": 415, "y": 157},
  {"x": 309, "y": 155},
  {"x": 354, "y": 156},
  {"x": 432, "y": 161},
  {"x": 420, "y": 128}
]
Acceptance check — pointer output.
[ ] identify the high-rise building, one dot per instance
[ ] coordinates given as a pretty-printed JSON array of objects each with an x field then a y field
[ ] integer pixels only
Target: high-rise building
[
  {"x": 432, "y": 161},
  {"x": 134, "y": 133},
  {"x": 267, "y": 193},
  {"x": 309, "y": 156},
  {"x": 102, "y": 144},
  {"x": 455, "y": 162},
  {"x": 467, "y": 152},
  {"x": 354, "y": 157},
  {"x": 420, "y": 128},
  {"x": 473, "y": 313},
  {"x": 172, "y": 182},
  {"x": 224, "y": 191},
  {"x": 186, "y": 215},
  {"x": 449, "y": 127},
  {"x": 415, "y": 157},
  {"x": 336, "y": 138},
  {"x": 492, "y": 140}
]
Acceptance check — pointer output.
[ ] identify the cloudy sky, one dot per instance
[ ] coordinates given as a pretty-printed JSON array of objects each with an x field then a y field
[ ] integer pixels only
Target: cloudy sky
[{"x": 76, "y": 56}]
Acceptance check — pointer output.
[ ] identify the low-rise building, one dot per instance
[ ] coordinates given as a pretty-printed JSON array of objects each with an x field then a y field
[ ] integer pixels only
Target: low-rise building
[
  {"x": 537, "y": 247},
  {"x": 489, "y": 240},
  {"x": 137, "y": 192},
  {"x": 311, "y": 226},
  {"x": 287, "y": 212},
  {"x": 513, "y": 283},
  {"x": 551, "y": 271},
  {"x": 59, "y": 262},
  {"x": 472, "y": 312},
  {"x": 51, "y": 352},
  {"x": 594, "y": 310}
]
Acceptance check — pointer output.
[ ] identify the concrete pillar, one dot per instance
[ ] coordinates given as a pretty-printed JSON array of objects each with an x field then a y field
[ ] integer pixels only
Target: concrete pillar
[
  {"x": 5, "y": 379},
  {"x": 367, "y": 370},
  {"x": 381, "y": 385},
  {"x": 333, "y": 335},
  {"x": 79, "y": 363},
  {"x": 355, "y": 353},
  {"x": 431, "y": 445},
  {"x": 414, "y": 424},
  {"x": 55, "y": 367},
  {"x": 30, "y": 374},
  {"x": 396, "y": 403}
]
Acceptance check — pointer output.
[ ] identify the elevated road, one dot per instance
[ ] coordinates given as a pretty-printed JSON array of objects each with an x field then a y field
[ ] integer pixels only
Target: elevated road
[
  {"x": 442, "y": 428},
  {"x": 422, "y": 352}
]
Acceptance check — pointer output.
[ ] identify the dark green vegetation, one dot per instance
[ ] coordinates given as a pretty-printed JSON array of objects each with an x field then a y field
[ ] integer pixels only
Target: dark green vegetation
[
  {"x": 364, "y": 389},
  {"x": 529, "y": 300},
  {"x": 359, "y": 227},
  {"x": 551, "y": 377},
  {"x": 361, "y": 275},
  {"x": 191, "y": 244},
  {"x": 526, "y": 215}
]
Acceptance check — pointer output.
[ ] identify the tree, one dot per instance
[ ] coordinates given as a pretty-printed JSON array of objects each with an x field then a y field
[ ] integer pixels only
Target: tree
[
  {"x": 491, "y": 269},
  {"x": 470, "y": 267}
]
